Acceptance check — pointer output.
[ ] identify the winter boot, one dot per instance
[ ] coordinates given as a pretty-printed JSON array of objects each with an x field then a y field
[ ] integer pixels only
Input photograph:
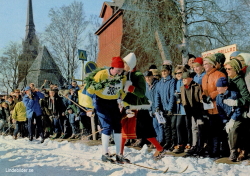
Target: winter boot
[
  {"x": 178, "y": 149},
  {"x": 233, "y": 155},
  {"x": 187, "y": 148},
  {"x": 242, "y": 155},
  {"x": 57, "y": 135},
  {"x": 15, "y": 137},
  {"x": 138, "y": 143},
  {"x": 172, "y": 147},
  {"x": 121, "y": 159},
  {"x": 73, "y": 136},
  {"x": 107, "y": 158},
  {"x": 42, "y": 140},
  {"x": 159, "y": 154},
  {"x": 192, "y": 150},
  {"x": 31, "y": 138}
]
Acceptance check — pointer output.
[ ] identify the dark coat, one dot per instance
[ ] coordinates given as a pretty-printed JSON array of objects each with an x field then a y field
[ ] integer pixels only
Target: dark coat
[
  {"x": 238, "y": 84},
  {"x": 195, "y": 97},
  {"x": 228, "y": 112}
]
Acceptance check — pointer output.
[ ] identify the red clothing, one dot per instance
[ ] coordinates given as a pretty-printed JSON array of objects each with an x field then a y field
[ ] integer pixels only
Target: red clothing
[{"x": 209, "y": 88}]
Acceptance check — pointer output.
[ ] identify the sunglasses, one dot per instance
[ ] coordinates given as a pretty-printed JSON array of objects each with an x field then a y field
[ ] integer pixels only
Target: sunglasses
[
  {"x": 178, "y": 73},
  {"x": 228, "y": 68}
]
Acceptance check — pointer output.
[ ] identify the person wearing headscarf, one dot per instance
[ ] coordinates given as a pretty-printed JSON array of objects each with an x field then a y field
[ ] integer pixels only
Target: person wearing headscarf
[
  {"x": 237, "y": 83},
  {"x": 137, "y": 106},
  {"x": 209, "y": 94}
]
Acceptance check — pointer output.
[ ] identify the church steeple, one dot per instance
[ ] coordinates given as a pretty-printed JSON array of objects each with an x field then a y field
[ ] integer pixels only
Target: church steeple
[{"x": 30, "y": 26}]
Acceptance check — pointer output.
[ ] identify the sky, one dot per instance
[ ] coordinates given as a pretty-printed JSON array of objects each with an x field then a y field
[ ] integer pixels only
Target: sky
[
  {"x": 13, "y": 16},
  {"x": 53, "y": 158}
]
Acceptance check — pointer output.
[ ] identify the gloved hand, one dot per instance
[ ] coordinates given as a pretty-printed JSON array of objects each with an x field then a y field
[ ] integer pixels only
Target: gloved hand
[
  {"x": 229, "y": 125},
  {"x": 206, "y": 99},
  {"x": 230, "y": 102},
  {"x": 157, "y": 110},
  {"x": 127, "y": 85},
  {"x": 89, "y": 112},
  {"x": 151, "y": 113},
  {"x": 169, "y": 113},
  {"x": 178, "y": 97}
]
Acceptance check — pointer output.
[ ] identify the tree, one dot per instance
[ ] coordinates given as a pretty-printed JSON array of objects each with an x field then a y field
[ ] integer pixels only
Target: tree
[
  {"x": 152, "y": 29},
  {"x": 212, "y": 24},
  {"x": 193, "y": 26},
  {"x": 64, "y": 36},
  {"x": 9, "y": 66},
  {"x": 92, "y": 46}
]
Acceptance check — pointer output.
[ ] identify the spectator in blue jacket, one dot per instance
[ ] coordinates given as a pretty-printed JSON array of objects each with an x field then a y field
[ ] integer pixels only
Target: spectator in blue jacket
[
  {"x": 231, "y": 115},
  {"x": 151, "y": 83},
  {"x": 164, "y": 101},
  {"x": 33, "y": 110}
]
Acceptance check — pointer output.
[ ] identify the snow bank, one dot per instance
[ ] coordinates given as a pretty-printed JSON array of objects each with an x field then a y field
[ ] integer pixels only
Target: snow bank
[{"x": 22, "y": 157}]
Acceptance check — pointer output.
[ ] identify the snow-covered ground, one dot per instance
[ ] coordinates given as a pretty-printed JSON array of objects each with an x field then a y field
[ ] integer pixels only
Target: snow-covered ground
[{"x": 22, "y": 157}]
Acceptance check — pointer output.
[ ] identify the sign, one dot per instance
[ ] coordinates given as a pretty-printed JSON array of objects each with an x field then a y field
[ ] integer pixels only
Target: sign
[
  {"x": 227, "y": 51},
  {"x": 82, "y": 55},
  {"x": 89, "y": 67}
]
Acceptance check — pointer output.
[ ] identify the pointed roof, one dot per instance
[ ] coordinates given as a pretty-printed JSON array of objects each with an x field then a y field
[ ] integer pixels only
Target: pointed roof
[
  {"x": 44, "y": 67},
  {"x": 44, "y": 61},
  {"x": 116, "y": 3},
  {"x": 30, "y": 26}
]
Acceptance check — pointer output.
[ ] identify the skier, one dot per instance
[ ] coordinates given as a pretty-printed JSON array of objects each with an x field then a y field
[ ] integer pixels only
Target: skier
[{"x": 107, "y": 86}]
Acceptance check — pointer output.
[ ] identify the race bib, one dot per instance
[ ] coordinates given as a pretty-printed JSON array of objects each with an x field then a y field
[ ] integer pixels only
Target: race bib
[{"x": 112, "y": 90}]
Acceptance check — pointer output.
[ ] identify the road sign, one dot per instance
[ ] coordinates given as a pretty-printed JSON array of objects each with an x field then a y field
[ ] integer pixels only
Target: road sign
[
  {"x": 89, "y": 67},
  {"x": 82, "y": 55}
]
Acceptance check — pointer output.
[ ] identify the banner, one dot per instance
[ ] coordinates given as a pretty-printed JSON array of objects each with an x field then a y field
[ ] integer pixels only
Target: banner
[{"x": 227, "y": 51}]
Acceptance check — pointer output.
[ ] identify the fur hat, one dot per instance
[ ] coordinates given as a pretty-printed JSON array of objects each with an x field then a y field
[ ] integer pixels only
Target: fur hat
[
  {"x": 152, "y": 67},
  {"x": 220, "y": 58},
  {"x": 198, "y": 60},
  {"x": 222, "y": 82},
  {"x": 191, "y": 56},
  {"x": 130, "y": 60},
  {"x": 211, "y": 59},
  {"x": 236, "y": 64},
  {"x": 117, "y": 62}
]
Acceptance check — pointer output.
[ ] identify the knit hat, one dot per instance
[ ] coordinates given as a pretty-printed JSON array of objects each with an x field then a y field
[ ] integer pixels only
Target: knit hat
[
  {"x": 130, "y": 59},
  {"x": 211, "y": 59},
  {"x": 155, "y": 71},
  {"x": 236, "y": 64},
  {"x": 166, "y": 67},
  {"x": 198, "y": 60},
  {"x": 152, "y": 67},
  {"x": 186, "y": 75},
  {"x": 147, "y": 73},
  {"x": 27, "y": 88},
  {"x": 220, "y": 58},
  {"x": 234, "y": 54},
  {"x": 117, "y": 62},
  {"x": 167, "y": 62},
  {"x": 246, "y": 57},
  {"x": 222, "y": 82},
  {"x": 191, "y": 56}
]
